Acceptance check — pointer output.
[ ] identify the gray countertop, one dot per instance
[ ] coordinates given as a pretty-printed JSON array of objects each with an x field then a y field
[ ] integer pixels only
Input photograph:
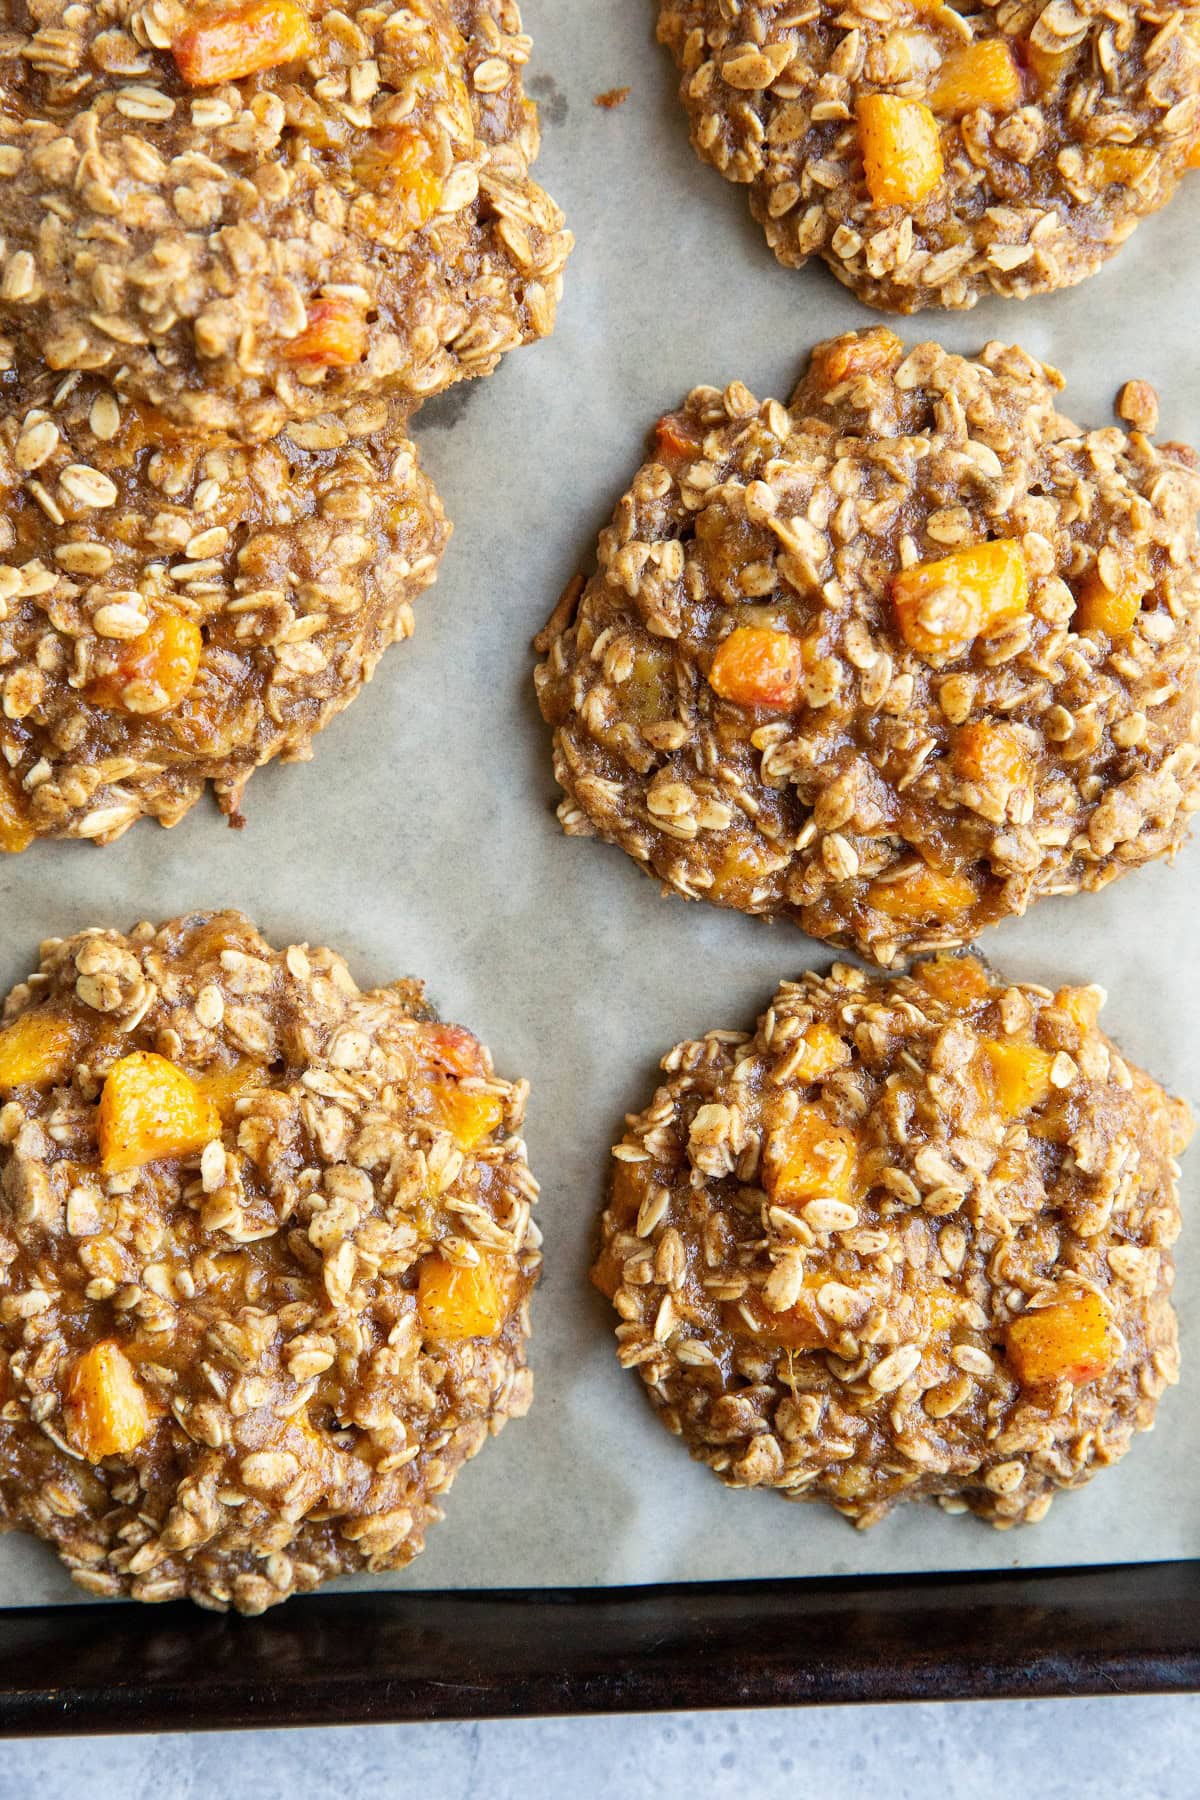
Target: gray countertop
[{"x": 1139, "y": 1749}]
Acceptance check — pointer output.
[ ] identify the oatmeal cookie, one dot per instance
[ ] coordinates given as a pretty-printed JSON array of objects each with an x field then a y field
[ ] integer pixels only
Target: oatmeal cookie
[
  {"x": 932, "y": 153},
  {"x": 252, "y": 213},
  {"x": 893, "y": 663},
  {"x": 909, "y": 1239},
  {"x": 266, "y": 1255},
  {"x": 175, "y": 610}
]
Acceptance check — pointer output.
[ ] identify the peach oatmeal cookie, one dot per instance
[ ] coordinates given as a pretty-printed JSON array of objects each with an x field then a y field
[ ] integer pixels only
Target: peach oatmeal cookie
[
  {"x": 934, "y": 153},
  {"x": 175, "y": 610},
  {"x": 266, "y": 1255},
  {"x": 909, "y": 1239},
  {"x": 250, "y": 213},
  {"x": 894, "y": 663}
]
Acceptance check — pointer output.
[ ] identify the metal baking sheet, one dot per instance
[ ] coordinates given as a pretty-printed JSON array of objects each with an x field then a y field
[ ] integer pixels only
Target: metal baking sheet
[{"x": 422, "y": 839}]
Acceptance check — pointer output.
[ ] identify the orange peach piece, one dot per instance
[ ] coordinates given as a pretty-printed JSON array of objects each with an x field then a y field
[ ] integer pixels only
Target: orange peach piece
[
  {"x": 922, "y": 894},
  {"x": 1099, "y": 608},
  {"x": 1081, "y": 1005},
  {"x": 957, "y": 981},
  {"x": 226, "y": 1084},
  {"x": 16, "y": 834},
  {"x": 451, "y": 1047},
  {"x": 469, "y": 1117},
  {"x": 821, "y": 1051},
  {"x": 104, "y": 1406},
  {"x": 992, "y": 754},
  {"x": 457, "y": 1303},
  {"x": 902, "y": 154},
  {"x": 226, "y": 46},
  {"x": 943, "y": 606},
  {"x": 1019, "y": 1074},
  {"x": 1071, "y": 1340},
  {"x": 400, "y": 160},
  {"x": 150, "y": 1109},
  {"x": 675, "y": 441},
  {"x": 981, "y": 74},
  {"x": 809, "y": 1158},
  {"x": 37, "y": 1050},
  {"x": 757, "y": 667},
  {"x": 335, "y": 336},
  {"x": 1118, "y": 165},
  {"x": 858, "y": 353},
  {"x": 155, "y": 671}
]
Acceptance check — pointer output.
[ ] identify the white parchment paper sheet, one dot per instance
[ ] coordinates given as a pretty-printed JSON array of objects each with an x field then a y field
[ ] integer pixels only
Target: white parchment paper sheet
[{"x": 422, "y": 840}]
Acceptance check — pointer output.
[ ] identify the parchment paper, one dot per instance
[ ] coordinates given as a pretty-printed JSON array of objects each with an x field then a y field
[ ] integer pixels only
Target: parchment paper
[{"x": 422, "y": 840}]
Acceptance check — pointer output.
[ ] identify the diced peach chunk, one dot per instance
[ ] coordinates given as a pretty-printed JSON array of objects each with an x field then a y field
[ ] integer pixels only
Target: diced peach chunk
[
  {"x": 798, "y": 1328},
  {"x": 228, "y": 45},
  {"x": 400, "y": 160},
  {"x": 809, "y": 1158},
  {"x": 150, "y": 1109},
  {"x": 757, "y": 667},
  {"x": 155, "y": 671},
  {"x": 1019, "y": 1074},
  {"x": 37, "y": 1050},
  {"x": 335, "y": 336},
  {"x": 821, "y": 1051},
  {"x": 457, "y": 1303},
  {"x": 993, "y": 754},
  {"x": 857, "y": 353},
  {"x": 227, "y": 1083},
  {"x": 922, "y": 894},
  {"x": 675, "y": 440},
  {"x": 469, "y": 1117},
  {"x": 1100, "y": 608},
  {"x": 1118, "y": 165},
  {"x": 104, "y": 1406},
  {"x": 16, "y": 834},
  {"x": 984, "y": 73},
  {"x": 452, "y": 1047},
  {"x": 943, "y": 606},
  {"x": 1049, "y": 66},
  {"x": 902, "y": 154},
  {"x": 955, "y": 980},
  {"x": 1081, "y": 1005},
  {"x": 1071, "y": 1340},
  {"x": 743, "y": 864}
]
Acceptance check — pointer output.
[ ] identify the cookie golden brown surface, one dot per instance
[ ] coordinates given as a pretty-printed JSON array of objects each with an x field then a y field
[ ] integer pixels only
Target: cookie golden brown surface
[
  {"x": 250, "y": 214},
  {"x": 176, "y": 611},
  {"x": 907, "y": 1239},
  {"x": 893, "y": 661},
  {"x": 265, "y": 1261},
  {"x": 934, "y": 153}
]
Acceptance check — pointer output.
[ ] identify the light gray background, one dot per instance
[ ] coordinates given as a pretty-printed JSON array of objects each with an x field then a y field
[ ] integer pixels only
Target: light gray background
[
  {"x": 371, "y": 848},
  {"x": 422, "y": 839},
  {"x": 1129, "y": 1749}
]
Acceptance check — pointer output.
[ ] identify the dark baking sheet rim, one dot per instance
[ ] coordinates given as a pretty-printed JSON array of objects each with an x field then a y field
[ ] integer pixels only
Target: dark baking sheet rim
[{"x": 371, "y": 1658}]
